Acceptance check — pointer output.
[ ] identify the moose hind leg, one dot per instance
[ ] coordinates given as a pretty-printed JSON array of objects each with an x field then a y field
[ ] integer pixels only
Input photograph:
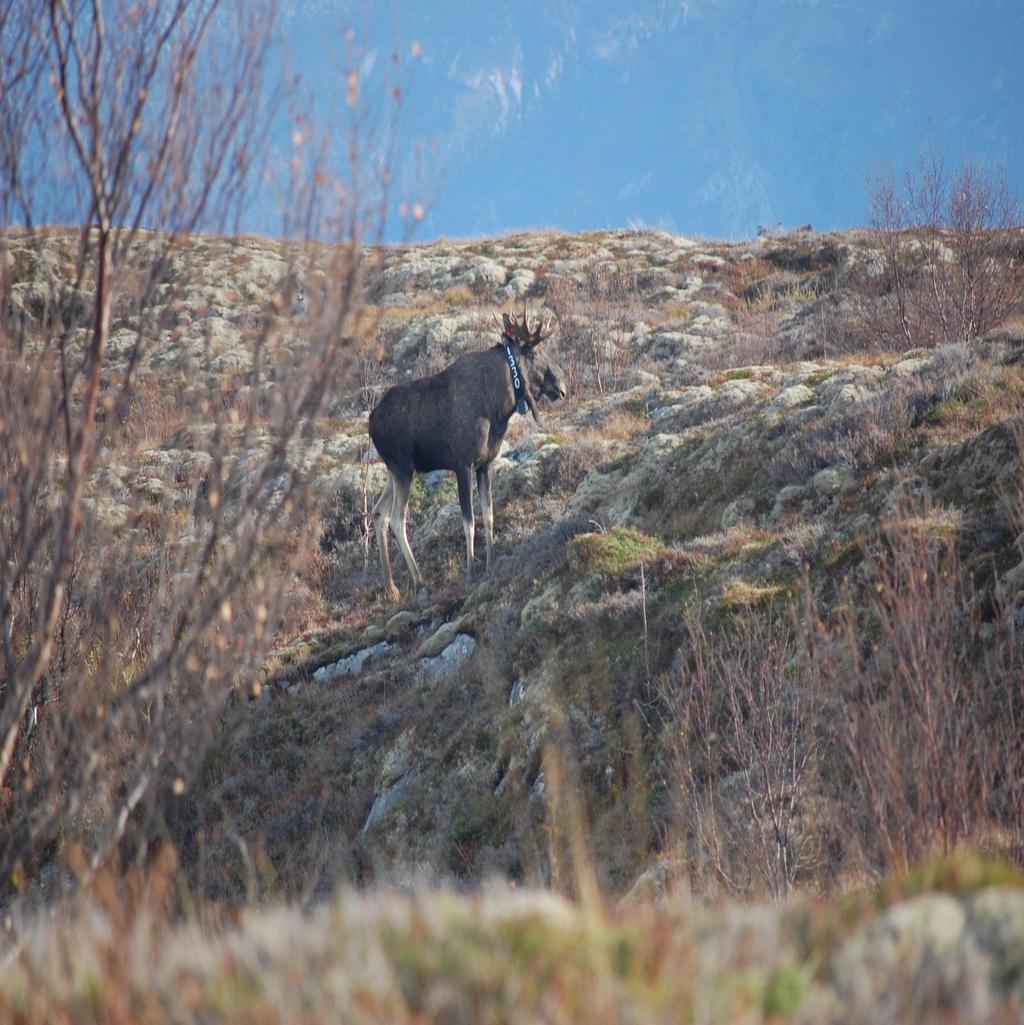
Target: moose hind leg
[
  {"x": 483, "y": 486},
  {"x": 466, "y": 504},
  {"x": 398, "y": 514},
  {"x": 381, "y": 518}
]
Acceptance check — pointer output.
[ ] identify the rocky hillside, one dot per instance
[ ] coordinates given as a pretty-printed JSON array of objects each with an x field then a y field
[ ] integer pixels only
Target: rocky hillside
[
  {"x": 733, "y": 449},
  {"x": 742, "y": 476},
  {"x": 753, "y": 628}
]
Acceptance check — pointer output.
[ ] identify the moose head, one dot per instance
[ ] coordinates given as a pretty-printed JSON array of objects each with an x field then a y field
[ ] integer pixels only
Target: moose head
[{"x": 543, "y": 376}]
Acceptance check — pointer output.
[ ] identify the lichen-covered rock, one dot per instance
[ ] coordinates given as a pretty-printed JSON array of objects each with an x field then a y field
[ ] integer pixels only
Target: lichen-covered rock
[
  {"x": 905, "y": 496},
  {"x": 450, "y": 658},
  {"x": 438, "y": 640},
  {"x": 401, "y": 623},
  {"x": 909, "y": 366},
  {"x": 832, "y": 480},
  {"x": 716, "y": 467},
  {"x": 787, "y": 500},
  {"x": 610, "y": 496},
  {"x": 794, "y": 395},
  {"x": 995, "y": 918},
  {"x": 740, "y": 391},
  {"x": 671, "y": 403},
  {"x": 739, "y": 511},
  {"x": 397, "y": 759},
  {"x": 666, "y": 344},
  {"x": 650, "y": 885},
  {"x": 709, "y": 320},
  {"x": 518, "y": 285},
  {"x": 849, "y": 387},
  {"x": 923, "y": 935},
  {"x": 350, "y": 664},
  {"x": 935, "y": 953},
  {"x": 486, "y": 273},
  {"x": 107, "y": 512},
  {"x": 387, "y": 800}
]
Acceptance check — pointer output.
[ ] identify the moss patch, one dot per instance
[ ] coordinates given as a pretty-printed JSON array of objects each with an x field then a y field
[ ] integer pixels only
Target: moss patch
[
  {"x": 613, "y": 552},
  {"x": 959, "y": 874},
  {"x": 742, "y": 595}
]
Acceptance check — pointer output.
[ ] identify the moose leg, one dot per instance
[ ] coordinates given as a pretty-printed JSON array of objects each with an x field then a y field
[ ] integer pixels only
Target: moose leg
[
  {"x": 466, "y": 503},
  {"x": 381, "y": 518},
  {"x": 483, "y": 485},
  {"x": 398, "y": 511}
]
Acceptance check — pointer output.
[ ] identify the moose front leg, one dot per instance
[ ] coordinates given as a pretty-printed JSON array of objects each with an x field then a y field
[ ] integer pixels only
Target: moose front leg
[
  {"x": 466, "y": 503},
  {"x": 483, "y": 485}
]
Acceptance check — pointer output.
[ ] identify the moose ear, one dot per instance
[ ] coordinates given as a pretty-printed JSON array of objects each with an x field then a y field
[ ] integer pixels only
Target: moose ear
[{"x": 507, "y": 322}]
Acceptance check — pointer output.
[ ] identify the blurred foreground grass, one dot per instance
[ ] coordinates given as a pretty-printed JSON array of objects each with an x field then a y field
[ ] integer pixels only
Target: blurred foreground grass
[{"x": 944, "y": 943}]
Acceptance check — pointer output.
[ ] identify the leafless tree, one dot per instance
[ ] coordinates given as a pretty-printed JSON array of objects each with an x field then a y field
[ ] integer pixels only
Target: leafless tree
[
  {"x": 139, "y": 124},
  {"x": 748, "y": 717},
  {"x": 595, "y": 314},
  {"x": 931, "y": 716},
  {"x": 951, "y": 244}
]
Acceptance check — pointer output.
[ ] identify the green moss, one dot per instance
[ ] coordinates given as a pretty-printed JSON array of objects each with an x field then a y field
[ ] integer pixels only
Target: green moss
[
  {"x": 960, "y": 874},
  {"x": 742, "y": 595},
  {"x": 743, "y": 374},
  {"x": 951, "y": 410},
  {"x": 635, "y": 406},
  {"x": 483, "y": 822},
  {"x": 424, "y": 501},
  {"x": 233, "y": 993},
  {"x": 784, "y": 990},
  {"x": 613, "y": 552}
]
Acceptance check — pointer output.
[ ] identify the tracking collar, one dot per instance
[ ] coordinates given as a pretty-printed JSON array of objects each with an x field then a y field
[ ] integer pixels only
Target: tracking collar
[{"x": 517, "y": 381}]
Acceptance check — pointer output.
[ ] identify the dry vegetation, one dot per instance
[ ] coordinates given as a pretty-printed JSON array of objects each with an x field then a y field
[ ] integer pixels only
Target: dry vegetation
[
  {"x": 753, "y": 632},
  {"x": 155, "y": 503},
  {"x": 928, "y": 948}
]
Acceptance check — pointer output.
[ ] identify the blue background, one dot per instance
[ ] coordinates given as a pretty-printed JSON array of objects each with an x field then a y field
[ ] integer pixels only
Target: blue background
[{"x": 707, "y": 116}]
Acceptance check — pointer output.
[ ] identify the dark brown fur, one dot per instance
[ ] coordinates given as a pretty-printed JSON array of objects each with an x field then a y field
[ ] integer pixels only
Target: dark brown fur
[{"x": 454, "y": 420}]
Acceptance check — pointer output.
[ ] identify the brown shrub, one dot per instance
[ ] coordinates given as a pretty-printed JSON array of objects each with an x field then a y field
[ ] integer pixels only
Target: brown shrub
[
  {"x": 932, "y": 738},
  {"x": 950, "y": 245},
  {"x": 595, "y": 319},
  {"x": 749, "y": 735}
]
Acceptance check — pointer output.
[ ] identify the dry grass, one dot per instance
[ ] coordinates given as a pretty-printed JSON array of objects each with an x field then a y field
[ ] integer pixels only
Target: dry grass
[
  {"x": 506, "y": 956},
  {"x": 623, "y": 424},
  {"x": 458, "y": 296}
]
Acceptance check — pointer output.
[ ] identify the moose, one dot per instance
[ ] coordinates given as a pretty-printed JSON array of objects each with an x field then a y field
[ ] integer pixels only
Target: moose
[{"x": 455, "y": 420}]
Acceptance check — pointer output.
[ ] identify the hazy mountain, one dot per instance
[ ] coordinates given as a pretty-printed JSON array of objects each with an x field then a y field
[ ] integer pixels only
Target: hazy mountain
[{"x": 711, "y": 115}]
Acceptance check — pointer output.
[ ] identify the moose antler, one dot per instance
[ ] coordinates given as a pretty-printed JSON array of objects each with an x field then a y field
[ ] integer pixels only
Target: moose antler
[{"x": 521, "y": 328}]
